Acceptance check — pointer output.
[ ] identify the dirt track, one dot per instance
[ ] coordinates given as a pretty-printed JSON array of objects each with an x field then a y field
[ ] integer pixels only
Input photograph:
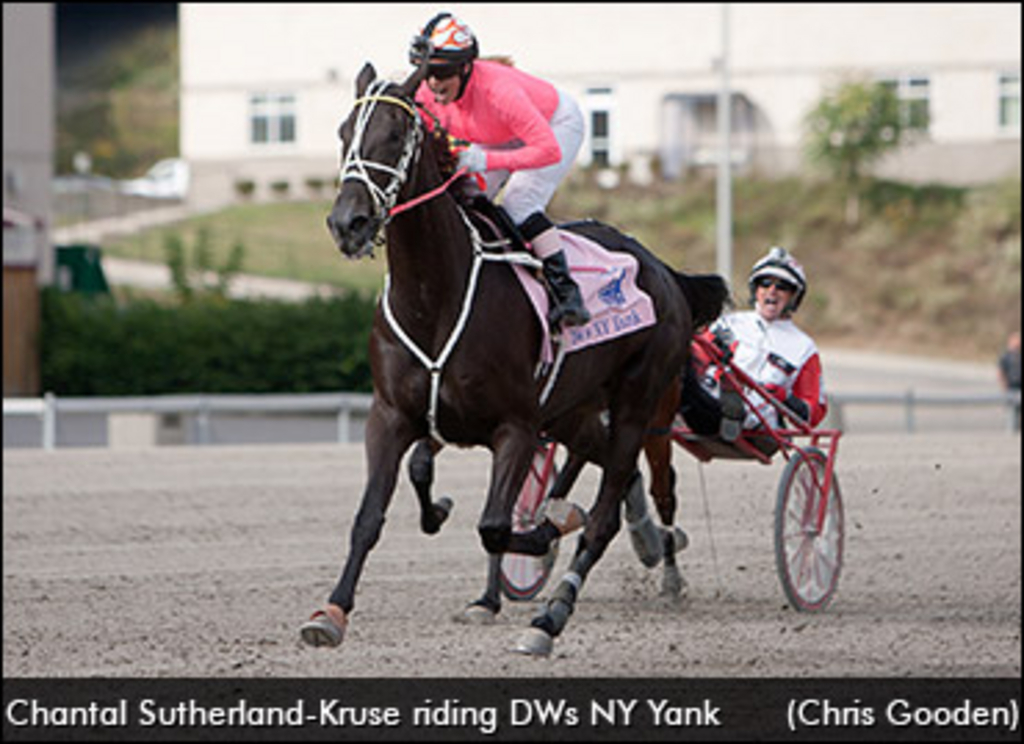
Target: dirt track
[{"x": 203, "y": 562}]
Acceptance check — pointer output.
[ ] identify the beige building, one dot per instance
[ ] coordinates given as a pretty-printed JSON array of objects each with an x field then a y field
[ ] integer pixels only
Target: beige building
[
  {"x": 29, "y": 75},
  {"x": 264, "y": 86}
]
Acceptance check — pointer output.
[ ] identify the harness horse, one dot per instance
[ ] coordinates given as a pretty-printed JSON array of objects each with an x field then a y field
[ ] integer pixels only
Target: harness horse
[{"x": 454, "y": 351}]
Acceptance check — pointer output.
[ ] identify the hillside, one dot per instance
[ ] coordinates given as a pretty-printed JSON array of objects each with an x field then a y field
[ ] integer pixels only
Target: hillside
[{"x": 928, "y": 271}]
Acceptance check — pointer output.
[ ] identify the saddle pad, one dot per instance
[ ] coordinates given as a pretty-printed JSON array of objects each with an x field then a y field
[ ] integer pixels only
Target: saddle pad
[{"x": 607, "y": 281}]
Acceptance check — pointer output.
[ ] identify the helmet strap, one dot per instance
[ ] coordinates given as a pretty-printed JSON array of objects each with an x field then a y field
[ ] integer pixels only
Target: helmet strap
[{"x": 464, "y": 79}]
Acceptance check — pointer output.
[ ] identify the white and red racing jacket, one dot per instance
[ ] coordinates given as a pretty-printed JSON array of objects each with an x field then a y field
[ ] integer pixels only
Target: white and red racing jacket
[{"x": 779, "y": 356}]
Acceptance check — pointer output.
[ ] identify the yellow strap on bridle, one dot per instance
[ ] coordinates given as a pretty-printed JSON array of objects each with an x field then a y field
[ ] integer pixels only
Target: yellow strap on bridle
[{"x": 388, "y": 99}]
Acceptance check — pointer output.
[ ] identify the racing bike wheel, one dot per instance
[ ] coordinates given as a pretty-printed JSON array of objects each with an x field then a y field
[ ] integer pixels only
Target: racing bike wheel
[
  {"x": 523, "y": 577},
  {"x": 808, "y": 560}
]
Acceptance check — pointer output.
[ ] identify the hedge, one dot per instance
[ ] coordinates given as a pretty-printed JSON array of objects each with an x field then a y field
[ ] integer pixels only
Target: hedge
[{"x": 96, "y": 346}]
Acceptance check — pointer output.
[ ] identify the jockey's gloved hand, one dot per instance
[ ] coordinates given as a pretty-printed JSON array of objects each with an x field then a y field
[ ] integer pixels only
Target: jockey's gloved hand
[
  {"x": 421, "y": 47},
  {"x": 798, "y": 407},
  {"x": 723, "y": 337},
  {"x": 473, "y": 159}
]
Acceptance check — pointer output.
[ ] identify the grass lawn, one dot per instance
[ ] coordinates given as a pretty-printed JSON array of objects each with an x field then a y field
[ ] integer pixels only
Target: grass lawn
[{"x": 287, "y": 239}]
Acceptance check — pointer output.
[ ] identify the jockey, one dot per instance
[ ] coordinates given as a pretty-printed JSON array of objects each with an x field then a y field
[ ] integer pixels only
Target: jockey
[
  {"x": 767, "y": 345},
  {"x": 525, "y": 134}
]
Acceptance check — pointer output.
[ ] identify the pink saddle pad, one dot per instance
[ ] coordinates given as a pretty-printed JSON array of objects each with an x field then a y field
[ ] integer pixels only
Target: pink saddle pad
[{"x": 607, "y": 281}]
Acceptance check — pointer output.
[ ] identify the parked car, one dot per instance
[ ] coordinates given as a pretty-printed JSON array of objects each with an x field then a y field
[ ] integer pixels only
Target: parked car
[{"x": 168, "y": 179}]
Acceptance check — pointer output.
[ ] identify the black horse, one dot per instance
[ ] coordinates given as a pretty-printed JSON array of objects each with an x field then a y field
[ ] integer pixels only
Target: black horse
[{"x": 454, "y": 351}]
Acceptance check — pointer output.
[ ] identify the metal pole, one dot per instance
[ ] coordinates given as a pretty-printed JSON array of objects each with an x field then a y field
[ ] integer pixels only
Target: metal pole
[
  {"x": 724, "y": 179},
  {"x": 49, "y": 421}
]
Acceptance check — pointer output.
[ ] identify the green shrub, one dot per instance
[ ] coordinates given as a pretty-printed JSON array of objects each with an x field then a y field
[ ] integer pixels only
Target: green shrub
[{"x": 93, "y": 346}]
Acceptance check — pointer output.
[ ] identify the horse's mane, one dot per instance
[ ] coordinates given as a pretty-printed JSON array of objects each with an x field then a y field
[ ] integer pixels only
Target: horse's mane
[{"x": 438, "y": 145}]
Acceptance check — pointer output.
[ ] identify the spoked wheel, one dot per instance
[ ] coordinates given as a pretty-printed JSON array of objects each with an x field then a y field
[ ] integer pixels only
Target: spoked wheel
[
  {"x": 807, "y": 558},
  {"x": 523, "y": 576}
]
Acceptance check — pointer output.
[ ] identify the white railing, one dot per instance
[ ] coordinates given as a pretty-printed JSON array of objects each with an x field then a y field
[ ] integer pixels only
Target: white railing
[
  {"x": 50, "y": 407},
  {"x": 912, "y": 402},
  {"x": 344, "y": 405}
]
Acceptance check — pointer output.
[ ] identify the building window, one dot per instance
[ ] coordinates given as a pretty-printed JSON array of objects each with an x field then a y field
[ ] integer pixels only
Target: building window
[
  {"x": 271, "y": 118},
  {"x": 599, "y": 104},
  {"x": 913, "y": 92},
  {"x": 1009, "y": 103}
]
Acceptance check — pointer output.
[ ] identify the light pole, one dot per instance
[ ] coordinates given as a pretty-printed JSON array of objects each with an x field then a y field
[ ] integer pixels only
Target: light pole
[{"x": 723, "y": 200}]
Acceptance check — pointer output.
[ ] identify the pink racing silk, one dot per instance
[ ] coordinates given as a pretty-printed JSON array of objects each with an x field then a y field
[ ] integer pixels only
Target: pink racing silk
[
  {"x": 607, "y": 282},
  {"x": 501, "y": 106}
]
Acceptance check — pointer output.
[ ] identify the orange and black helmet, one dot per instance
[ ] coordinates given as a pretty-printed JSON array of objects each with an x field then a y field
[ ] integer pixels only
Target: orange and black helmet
[{"x": 446, "y": 39}]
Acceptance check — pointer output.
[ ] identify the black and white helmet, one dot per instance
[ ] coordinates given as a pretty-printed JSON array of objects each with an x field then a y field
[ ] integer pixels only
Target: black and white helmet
[{"x": 779, "y": 263}]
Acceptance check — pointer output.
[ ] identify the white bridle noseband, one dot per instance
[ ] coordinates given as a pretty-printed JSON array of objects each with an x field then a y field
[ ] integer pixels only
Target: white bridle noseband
[{"x": 357, "y": 168}]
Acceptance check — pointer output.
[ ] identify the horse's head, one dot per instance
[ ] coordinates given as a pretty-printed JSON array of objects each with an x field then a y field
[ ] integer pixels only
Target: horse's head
[{"x": 380, "y": 140}]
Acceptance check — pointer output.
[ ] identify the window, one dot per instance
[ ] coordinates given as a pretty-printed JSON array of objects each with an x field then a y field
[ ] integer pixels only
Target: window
[
  {"x": 599, "y": 106},
  {"x": 271, "y": 118},
  {"x": 1009, "y": 103},
  {"x": 913, "y": 91}
]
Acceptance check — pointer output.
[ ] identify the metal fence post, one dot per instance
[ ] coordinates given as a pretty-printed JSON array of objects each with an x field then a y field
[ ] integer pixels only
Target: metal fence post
[
  {"x": 909, "y": 403},
  {"x": 49, "y": 421},
  {"x": 203, "y": 421},
  {"x": 344, "y": 421}
]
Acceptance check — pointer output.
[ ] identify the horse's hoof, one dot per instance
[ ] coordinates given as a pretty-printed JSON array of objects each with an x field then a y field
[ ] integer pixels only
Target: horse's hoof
[
  {"x": 535, "y": 642},
  {"x": 325, "y": 627},
  {"x": 443, "y": 507},
  {"x": 645, "y": 536},
  {"x": 680, "y": 540},
  {"x": 672, "y": 584},
  {"x": 431, "y": 522},
  {"x": 477, "y": 614}
]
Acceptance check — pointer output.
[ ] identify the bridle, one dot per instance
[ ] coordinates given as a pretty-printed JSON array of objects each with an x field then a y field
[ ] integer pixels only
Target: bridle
[{"x": 357, "y": 168}]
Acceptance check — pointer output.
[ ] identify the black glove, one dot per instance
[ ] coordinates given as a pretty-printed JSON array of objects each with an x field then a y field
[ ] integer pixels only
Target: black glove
[
  {"x": 799, "y": 407},
  {"x": 422, "y": 49},
  {"x": 724, "y": 340}
]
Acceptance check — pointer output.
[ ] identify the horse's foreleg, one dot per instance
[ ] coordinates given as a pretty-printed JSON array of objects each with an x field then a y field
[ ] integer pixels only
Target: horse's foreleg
[
  {"x": 421, "y": 473},
  {"x": 388, "y": 436},
  {"x": 513, "y": 449}
]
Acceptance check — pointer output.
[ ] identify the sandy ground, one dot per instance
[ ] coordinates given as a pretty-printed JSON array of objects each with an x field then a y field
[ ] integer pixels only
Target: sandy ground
[{"x": 203, "y": 562}]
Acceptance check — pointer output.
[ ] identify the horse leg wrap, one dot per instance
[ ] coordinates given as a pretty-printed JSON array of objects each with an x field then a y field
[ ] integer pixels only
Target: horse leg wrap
[
  {"x": 421, "y": 471},
  {"x": 556, "y": 612},
  {"x": 643, "y": 532}
]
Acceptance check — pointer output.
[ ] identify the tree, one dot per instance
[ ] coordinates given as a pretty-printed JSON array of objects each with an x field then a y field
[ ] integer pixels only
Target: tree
[{"x": 850, "y": 128}]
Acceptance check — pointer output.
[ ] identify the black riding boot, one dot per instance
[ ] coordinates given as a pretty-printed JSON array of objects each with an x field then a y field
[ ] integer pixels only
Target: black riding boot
[{"x": 568, "y": 306}]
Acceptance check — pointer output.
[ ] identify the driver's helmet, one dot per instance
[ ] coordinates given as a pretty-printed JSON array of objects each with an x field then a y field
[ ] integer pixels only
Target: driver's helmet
[
  {"x": 449, "y": 40},
  {"x": 779, "y": 263}
]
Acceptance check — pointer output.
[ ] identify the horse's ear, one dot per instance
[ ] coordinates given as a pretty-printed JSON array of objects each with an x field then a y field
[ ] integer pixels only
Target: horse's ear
[{"x": 366, "y": 76}]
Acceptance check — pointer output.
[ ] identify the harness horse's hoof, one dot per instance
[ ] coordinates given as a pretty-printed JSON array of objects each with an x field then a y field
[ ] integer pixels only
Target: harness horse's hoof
[
  {"x": 535, "y": 642},
  {"x": 325, "y": 628},
  {"x": 477, "y": 614}
]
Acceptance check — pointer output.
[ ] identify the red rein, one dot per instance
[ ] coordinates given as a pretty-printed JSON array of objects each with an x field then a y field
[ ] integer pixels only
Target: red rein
[{"x": 416, "y": 201}]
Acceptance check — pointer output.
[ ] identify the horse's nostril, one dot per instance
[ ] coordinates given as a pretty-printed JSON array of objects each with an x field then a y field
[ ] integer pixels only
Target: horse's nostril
[{"x": 358, "y": 224}]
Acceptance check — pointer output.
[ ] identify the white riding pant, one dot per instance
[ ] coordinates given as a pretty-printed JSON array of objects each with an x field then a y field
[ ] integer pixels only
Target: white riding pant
[{"x": 529, "y": 191}]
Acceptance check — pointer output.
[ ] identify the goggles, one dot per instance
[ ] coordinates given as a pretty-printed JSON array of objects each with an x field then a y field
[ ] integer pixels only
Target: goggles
[
  {"x": 444, "y": 71},
  {"x": 779, "y": 284}
]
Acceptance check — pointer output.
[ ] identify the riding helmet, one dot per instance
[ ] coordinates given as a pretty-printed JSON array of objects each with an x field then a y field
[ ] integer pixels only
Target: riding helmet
[
  {"x": 779, "y": 263},
  {"x": 450, "y": 41}
]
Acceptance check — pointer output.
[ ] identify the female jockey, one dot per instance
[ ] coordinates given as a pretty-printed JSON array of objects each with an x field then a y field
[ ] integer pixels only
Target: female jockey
[
  {"x": 525, "y": 134},
  {"x": 768, "y": 346}
]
